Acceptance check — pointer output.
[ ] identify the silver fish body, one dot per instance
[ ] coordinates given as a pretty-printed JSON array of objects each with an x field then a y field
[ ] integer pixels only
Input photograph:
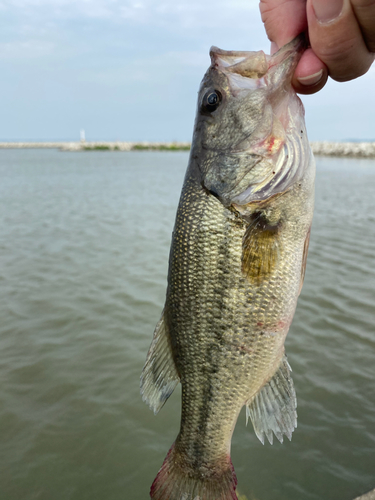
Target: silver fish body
[{"x": 236, "y": 268}]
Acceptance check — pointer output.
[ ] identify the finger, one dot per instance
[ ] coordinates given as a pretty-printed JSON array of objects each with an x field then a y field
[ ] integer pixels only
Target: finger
[
  {"x": 283, "y": 19},
  {"x": 310, "y": 75},
  {"x": 336, "y": 39},
  {"x": 364, "y": 11}
]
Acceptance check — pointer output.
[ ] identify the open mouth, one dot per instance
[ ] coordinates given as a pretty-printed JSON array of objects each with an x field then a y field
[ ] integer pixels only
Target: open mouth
[{"x": 252, "y": 70}]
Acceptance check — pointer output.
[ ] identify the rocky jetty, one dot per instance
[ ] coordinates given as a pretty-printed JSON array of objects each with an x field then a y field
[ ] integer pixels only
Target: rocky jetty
[
  {"x": 126, "y": 146},
  {"x": 100, "y": 146},
  {"x": 337, "y": 149},
  {"x": 33, "y": 145},
  {"x": 344, "y": 149}
]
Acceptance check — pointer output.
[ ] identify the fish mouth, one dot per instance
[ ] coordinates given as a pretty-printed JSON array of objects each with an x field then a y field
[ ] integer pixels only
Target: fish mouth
[{"x": 251, "y": 70}]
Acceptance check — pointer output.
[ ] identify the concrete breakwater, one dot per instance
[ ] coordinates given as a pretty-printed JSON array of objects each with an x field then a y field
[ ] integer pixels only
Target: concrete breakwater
[
  {"x": 344, "y": 149},
  {"x": 337, "y": 149},
  {"x": 100, "y": 146}
]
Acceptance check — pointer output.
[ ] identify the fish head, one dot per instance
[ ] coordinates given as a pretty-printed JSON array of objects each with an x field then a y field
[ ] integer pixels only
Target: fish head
[{"x": 249, "y": 133}]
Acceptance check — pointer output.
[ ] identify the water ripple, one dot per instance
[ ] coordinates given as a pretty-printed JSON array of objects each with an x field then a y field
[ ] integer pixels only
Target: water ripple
[{"x": 84, "y": 246}]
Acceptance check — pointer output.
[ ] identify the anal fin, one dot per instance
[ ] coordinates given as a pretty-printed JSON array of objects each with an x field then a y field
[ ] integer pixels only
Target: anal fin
[
  {"x": 159, "y": 375},
  {"x": 273, "y": 409}
]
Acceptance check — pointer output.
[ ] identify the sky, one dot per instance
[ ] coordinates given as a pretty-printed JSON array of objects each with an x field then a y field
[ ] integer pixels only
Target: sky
[{"x": 130, "y": 70}]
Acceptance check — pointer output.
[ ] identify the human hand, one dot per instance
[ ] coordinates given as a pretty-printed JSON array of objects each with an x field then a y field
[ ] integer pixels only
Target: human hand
[{"x": 341, "y": 34}]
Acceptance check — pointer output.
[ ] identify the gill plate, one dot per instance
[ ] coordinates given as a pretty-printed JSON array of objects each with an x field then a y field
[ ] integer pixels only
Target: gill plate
[{"x": 288, "y": 169}]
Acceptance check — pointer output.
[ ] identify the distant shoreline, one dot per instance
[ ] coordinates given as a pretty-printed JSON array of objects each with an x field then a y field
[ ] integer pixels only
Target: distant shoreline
[{"x": 324, "y": 148}]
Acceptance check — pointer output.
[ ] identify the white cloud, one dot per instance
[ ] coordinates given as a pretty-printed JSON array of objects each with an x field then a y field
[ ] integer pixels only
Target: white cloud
[
  {"x": 160, "y": 69},
  {"x": 141, "y": 11},
  {"x": 29, "y": 49}
]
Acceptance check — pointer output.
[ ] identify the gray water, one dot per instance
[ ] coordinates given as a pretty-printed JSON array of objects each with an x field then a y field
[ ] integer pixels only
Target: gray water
[{"x": 84, "y": 242}]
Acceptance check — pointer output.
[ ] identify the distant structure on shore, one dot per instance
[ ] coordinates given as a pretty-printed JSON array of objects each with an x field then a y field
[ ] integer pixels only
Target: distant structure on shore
[{"x": 337, "y": 149}]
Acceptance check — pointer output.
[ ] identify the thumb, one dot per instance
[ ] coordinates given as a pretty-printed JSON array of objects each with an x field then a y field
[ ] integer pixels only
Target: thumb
[{"x": 336, "y": 38}]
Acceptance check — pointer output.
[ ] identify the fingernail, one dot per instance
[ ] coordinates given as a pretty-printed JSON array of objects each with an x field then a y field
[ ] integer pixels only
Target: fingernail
[
  {"x": 327, "y": 10},
  {"x": 311, "y": 79}
]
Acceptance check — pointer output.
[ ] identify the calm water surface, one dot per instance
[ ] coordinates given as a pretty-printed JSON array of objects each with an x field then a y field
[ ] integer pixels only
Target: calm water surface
[{"x": 84, "y": 242}]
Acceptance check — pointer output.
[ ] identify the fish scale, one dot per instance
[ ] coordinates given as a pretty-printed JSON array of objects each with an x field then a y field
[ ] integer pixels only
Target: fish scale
[
  {"x": 235, "y": 271},
  {"x": 211, "y": 257}
]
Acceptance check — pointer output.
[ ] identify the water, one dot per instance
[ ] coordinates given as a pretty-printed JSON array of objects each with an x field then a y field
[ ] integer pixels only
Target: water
[{"x": 84, "y": 242}]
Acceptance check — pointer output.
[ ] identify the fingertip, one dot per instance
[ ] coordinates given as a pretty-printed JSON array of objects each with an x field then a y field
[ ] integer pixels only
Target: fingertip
[
  {"x": 311, "y": 74},
  {"x": 312, "y": 88}
]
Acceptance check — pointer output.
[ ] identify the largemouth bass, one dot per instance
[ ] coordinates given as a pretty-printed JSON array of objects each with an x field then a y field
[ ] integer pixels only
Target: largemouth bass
[{"x": 236, "y": 268}]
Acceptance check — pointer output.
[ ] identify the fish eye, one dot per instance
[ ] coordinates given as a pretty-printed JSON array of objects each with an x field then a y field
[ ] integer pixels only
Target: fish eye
[{"x": 211, "y": 101}]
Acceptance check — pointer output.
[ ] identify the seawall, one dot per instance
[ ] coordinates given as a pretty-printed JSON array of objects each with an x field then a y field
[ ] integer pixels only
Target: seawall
[{"x": 325, "y": 148}]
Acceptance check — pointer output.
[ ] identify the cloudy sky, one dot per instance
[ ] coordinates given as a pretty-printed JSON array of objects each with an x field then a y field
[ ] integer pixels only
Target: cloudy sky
[{"x": 130, "y": 70}]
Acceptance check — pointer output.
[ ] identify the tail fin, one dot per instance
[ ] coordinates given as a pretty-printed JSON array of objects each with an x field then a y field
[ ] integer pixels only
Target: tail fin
[{"x": 175, "y": 483}]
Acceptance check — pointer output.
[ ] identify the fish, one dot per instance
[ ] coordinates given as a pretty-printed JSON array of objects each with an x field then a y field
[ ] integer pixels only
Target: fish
[{"x": 236, "y": 268}]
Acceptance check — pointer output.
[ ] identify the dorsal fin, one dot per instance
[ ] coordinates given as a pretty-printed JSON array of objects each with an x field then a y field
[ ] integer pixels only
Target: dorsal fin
[
  {"x": 273, "y": 409},
  {"x": 159, "y": 375}
]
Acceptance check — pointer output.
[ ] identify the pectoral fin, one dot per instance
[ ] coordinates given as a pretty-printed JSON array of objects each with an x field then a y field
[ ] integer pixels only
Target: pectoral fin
[
  {"x": 159, "y": 376},
  {"x": 273, "y": 409},
  {"x": 261, "y": 247}
]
